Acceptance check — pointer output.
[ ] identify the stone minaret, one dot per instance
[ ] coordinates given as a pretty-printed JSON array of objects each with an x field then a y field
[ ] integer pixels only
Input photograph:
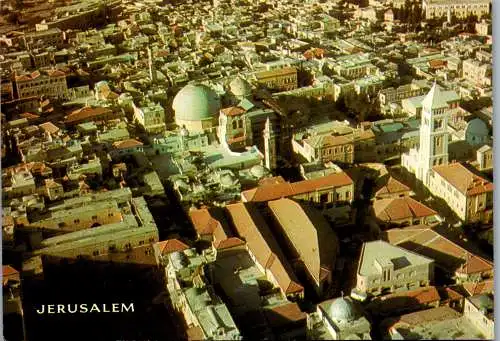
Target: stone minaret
[{"x": 269, "y": 146}]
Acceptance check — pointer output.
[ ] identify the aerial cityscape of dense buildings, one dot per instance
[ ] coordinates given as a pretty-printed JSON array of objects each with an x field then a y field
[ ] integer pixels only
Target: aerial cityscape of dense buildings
[{"x": 232, "y": 169}]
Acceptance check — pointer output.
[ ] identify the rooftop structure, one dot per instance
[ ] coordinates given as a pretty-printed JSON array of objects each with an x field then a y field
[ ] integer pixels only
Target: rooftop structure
[
  {"x": 384, "y": 268},
  {"x": 195, "y": 107},
  {"x": 263, "y": 247},
  {"x": 310, "y": 239},
  {"x": 448, "y": 256}
]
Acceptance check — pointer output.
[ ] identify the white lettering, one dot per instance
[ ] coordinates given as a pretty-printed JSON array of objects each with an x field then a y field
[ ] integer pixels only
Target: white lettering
[
  {"x": 94, "y": 308},
  {"x": 116, "y": 307},
  {"x": 50, "y": 309},
  {"x": 41, "y": 311},
  {"x": 129, "y": 308},
  {"x": 83, "y": 308},
  {"x": 60, "y": 309}
]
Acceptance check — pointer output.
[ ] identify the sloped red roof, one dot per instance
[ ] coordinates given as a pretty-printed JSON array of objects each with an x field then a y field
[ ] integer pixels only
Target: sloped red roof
[
  {"x": 8, "y": 270},
  {"x": 49, "y": 127},
  {"x": 446, "y": 253},
  {"x": 233, "y": 111},
  {"x": 287, "y": 189},
  {"x": 463, "y": 179},
  {"x": 392, "y": 186},
  {"x": 56, "y": 73},
  {"x": 125, "y": 144},
  {"x": 394, "y": 209},
  {"x": 484, "y": 287},
  {"x": 171, "y": 245},
  {"x": 229, "y": 243},
  {"x": 206, "y": 223},
  {"x": 86, "y": 113}
]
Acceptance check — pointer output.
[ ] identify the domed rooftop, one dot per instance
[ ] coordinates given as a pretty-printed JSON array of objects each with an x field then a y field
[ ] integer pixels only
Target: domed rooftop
[
  {"x": 240, "y": 87},
  {"x": 477, "y": 127},
  {"x": 195, "y": 103},
  {"x": 258, "y": 171},
  {"x": 342, "y": 310},
  {"x": 179, "y": 260},
  {"x": 227, "y": 180}
]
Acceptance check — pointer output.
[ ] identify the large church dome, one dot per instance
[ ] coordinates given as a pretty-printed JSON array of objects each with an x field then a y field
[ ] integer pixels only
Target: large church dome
[
  {"x": 195, "y": 103},
  {"x": 342, "y": 309}
]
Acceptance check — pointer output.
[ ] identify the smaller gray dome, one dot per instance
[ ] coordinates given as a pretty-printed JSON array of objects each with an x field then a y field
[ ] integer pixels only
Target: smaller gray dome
[
  {"x": 477, "y": 127},
  {"x": 484, "y": 302},
  {"x": 179, "y": 260},
  {"x": 184, "y": 132},
  {"x": 198, "y": 188},
  {"x": 258, "y": 171},
  {"x": 226, "y": 180},
  {"x": 240, "y": 87},
  {"x": 342, "y": 310},
  {"x": 180, "y": 183}
]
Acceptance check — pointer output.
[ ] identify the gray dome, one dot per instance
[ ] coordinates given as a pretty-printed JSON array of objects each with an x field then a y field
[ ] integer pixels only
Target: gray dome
[
  {"x": 258, "y": 171},
  {"x": 180, "y": 183},
  {"x": 477, "y": 127},
  {"x": 476, "y": 131},
  {"x": 195, "y": 103},
  {"x": 184, "y": 132},
  {"x": 227, "y": 180},
  {"x": 179, "y": 260},
  {"x": 240, "y": 87},
  {"x": 343, "y": 310}
]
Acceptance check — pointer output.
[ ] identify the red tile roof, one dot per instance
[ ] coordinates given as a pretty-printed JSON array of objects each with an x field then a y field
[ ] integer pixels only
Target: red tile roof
[
  {"x": 282, "y": 190},
  {"x": 171, "y": 245},
  {"x": 233, "y": 111},
  {"x": 484, "y": 287},
  {"x": 56, "y": 73},
  {"x": 125, "y": 144},
  {"x": 208, "y": 222},
  {"x": 395, "y": 209},
  {"x": 8, "y": 270},
  {"x": 271, "y": 181},
  {"x": 448, "y": 294},
  {"x": 463, "y": 179},
  {"x": 447, "y": 254},
  {"x": 229, "y": 243},
  {"x": 29, "y": 116},
  {"x": 49, "y": 127},
  {"x": 86, "y": 113},
  {"x": 392, "y": 186},
  {"x": 28, "y": 77},
  {"x": 429, "y": 315}
]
